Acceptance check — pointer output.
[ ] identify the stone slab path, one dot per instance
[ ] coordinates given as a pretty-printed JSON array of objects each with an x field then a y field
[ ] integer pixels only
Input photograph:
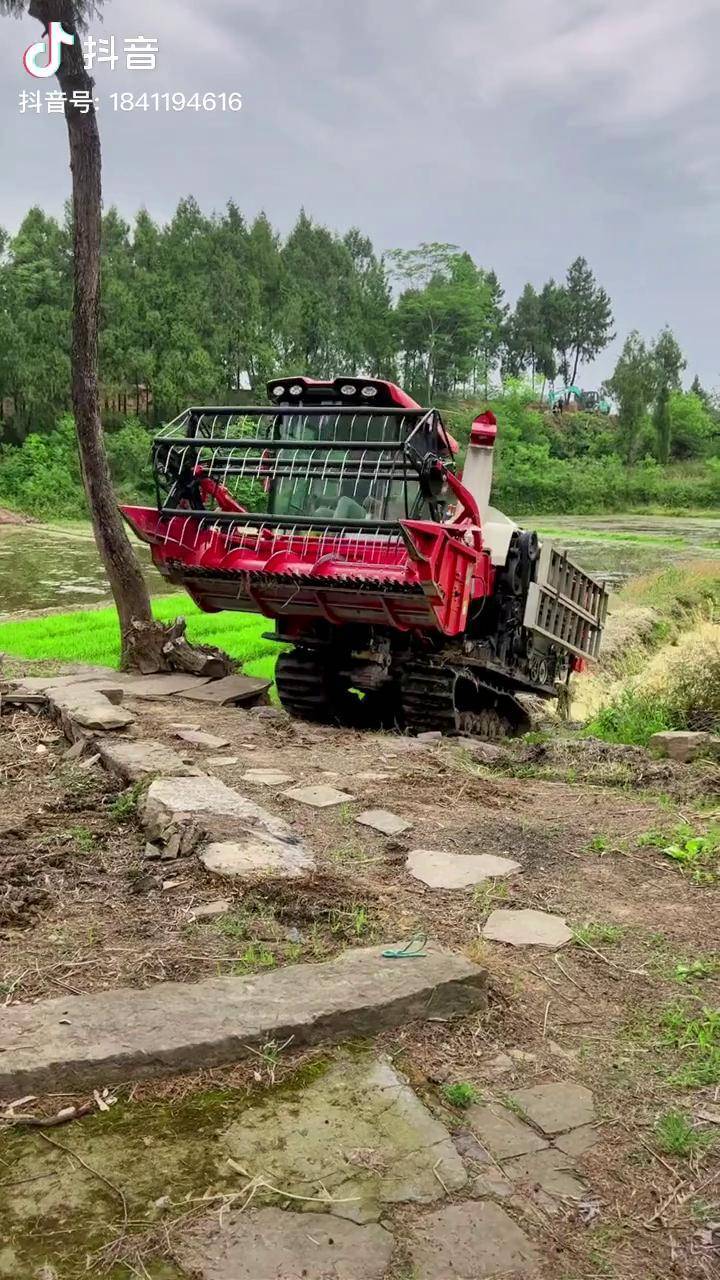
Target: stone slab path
[
  {"x": 95, "y": 1040},
  {"x": 360, "y": 1132},
  {"x": 441, "y": 870},
  {"x": 527, "y": 929},
  {"x": 274, "y": 1245},
  {"x": 353, "y": 1146}
]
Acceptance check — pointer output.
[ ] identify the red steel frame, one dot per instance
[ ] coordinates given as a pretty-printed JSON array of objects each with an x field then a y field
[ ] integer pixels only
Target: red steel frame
[{"x": 416, "y": 575}]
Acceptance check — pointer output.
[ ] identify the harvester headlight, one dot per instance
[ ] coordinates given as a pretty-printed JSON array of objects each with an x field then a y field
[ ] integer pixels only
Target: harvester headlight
[
  {"x": 278, "y": 391},
  {"x": 369, "y": 392},
  {"x": 347, "y": 390},
  {"x": 296, "y": 390}
]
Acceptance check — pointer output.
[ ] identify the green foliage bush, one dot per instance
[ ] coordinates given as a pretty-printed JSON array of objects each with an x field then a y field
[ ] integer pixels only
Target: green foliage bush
[{"x": 544, "y": 466}]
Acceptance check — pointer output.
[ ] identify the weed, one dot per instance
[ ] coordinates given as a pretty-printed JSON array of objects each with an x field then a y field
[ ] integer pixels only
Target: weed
[
  {"x": 632, "y": 719},
  {"x": 348, "y": 853},
  {"x": 486, "y": 895},
  {"x": 233, "y": 926},
  {"x": 353, "y": 923},
  {"x": 598, "y": 844},
  {"x": 675, "y": 1135},
  {"x": 254, "y": 957},
  {"x": 698, "y": 1039},
  {"x": 360, "y": 921},
  {"x": 592, "y": 933},
  {"x": 124, "y": 806},
  {"x": 512, "y": 1105},
  {"x": 83, "y": 838},
  {"x": 691, "y": 970},
  {"x": 461, "y": 1095},
  {"x": 699, "y": 855}
]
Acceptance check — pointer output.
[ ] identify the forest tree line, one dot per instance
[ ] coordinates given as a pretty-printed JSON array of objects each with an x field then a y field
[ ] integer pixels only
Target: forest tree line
[{"x": 207, "y": 308}]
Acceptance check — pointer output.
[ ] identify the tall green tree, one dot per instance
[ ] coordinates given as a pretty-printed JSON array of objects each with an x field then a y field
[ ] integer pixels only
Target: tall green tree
[
  {"x": 669, "y": 364},
  {"x": 529, "y": 344},
  {"x": 633, "y": 385},
  {"x": 440, "y": 316},
  {"x": 589, "y": 315},
  {"x": 493, "y": 330},
  {"x": 126, "y": 580}
]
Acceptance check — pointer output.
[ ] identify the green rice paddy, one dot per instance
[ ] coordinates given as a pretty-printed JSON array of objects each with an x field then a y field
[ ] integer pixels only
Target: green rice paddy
[{"x": 92, "y": 636}]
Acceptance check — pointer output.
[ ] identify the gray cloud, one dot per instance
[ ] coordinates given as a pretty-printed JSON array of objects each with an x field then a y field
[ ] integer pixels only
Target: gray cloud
[{"x": 528, "y": 132}]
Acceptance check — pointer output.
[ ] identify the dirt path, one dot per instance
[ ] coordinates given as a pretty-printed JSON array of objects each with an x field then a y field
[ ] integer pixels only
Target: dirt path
[{"x": 624, "y": 1009}]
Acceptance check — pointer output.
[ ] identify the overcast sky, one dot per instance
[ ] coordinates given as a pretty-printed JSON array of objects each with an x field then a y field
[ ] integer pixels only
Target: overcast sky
[{"x": 526, "y": 131}]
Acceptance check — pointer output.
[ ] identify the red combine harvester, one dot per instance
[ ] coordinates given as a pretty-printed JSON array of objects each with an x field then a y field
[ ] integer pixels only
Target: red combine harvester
[{"x": 407, "y": 599}]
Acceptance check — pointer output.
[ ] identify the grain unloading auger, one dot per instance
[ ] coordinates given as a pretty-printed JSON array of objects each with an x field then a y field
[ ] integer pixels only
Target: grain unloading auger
[{"x": 407, "y": 599}]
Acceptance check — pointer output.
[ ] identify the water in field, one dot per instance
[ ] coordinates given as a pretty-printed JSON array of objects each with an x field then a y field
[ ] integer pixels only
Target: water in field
[{"x": 49, "y": 567}]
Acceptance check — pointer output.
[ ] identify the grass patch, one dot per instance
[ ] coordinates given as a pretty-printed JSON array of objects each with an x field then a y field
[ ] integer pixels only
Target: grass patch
[
  {"x": 486, "y": 896},
  {"x": 93, "y": 636},
  {"x": 460, "y": 1095},
  {"x": 124, "y": 806},
  {"x": 591, "y": 934},
  {"x": 696, "y": 855},
  {"x": 676, "y": 1136},
  {"x": 697, "y": 1037},
  {"x": 253, "y": 958},
  {"x": 608, "y": 535},
  {"x": 696, "y": 970},
  {"x": 631, "y": 720},
  {"x": 689, "y": 588}
]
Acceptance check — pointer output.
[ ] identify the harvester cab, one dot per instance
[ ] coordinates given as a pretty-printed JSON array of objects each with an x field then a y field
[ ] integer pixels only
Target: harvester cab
[{"x": 401, "y": 596}]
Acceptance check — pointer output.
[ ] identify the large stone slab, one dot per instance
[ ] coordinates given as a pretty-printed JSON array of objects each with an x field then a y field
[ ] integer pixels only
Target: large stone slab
[
  {"x": 80, "y": 707},
  {"x": 250, "y": 858},
  {"x": 457, "y": 870},
  {"x": 527, "y": 929},
  {"x": 193, "y": 812},
  {"x": 556, "y": 1107},
  {"x": 360, "y": 1133},
  {"x": 502, "y": 1132},
  {"x": 78, "y": 1041},
  {"x": 242, "y": 689},
  {"x": 548, "y": 1171},
  {"x": 267, "y": 777},
  {"x": 135, "y": 759},
  {"x": 684, "y": 745},
  {"x": 470, "y": 1241},
  {"x": 35, "y": 689},
  {"x": 275, "y": 1244},
  {"x": 196, "y": 738},
  {"x": 162, "y": 685},
  {"x": 578, "y": 1141},
  {"x": 388, "y": 824},
  {"x": 318, "y": 797}
]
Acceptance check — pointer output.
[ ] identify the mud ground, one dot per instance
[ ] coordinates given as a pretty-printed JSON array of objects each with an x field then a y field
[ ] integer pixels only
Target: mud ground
[{"x": 81, "y": 910}]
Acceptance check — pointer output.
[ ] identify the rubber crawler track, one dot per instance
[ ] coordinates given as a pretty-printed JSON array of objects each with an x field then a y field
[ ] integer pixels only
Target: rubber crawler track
[{"x": 428, "y": 701}]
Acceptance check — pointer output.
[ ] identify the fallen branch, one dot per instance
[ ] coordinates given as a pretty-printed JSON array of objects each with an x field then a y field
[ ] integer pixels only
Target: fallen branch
[{"x": 47, "y": 1122}]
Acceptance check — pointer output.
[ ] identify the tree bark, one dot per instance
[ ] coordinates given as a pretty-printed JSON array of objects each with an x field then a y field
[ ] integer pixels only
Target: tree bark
[
  {"x": 121, "y": 565},
  {"x": 145, "y": 645}
]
